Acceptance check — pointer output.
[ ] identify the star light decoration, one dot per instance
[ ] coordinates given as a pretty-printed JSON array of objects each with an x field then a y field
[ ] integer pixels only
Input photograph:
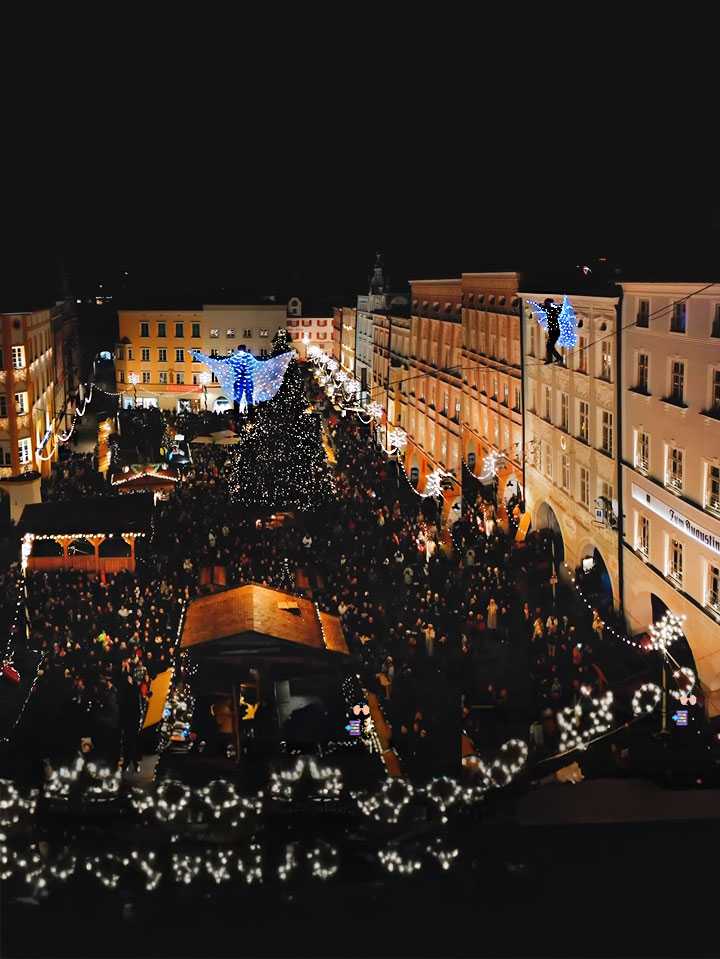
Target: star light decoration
[
  {"x": 588, "y": 718},
  {"x": 433, "y": 483},
  {"x": 666, "y": 632},
  {"x": 567, "y": 321},
  {"x": 326, "y": 781},
  {"x": 645, "y": 699}
]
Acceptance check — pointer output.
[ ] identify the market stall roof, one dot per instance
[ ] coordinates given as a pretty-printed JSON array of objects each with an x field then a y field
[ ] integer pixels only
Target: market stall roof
[
  {"x": 257, "y": 619},
  {"x": 104, "y": 514}
]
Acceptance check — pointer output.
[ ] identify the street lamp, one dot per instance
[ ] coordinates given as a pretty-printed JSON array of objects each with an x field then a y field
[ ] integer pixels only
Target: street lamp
[
  {"x": 662, "y": 636},
  {"x": 205, "y": 379},
  {"x": 134, "y": 379}
]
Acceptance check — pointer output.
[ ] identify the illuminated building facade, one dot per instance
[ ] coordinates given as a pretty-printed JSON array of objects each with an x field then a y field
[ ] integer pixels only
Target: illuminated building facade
[{"x": 671, "y": 464}]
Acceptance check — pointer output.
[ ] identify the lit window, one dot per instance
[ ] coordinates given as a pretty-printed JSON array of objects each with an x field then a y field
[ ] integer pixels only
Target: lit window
[
  {"x": 584, "y": 422},
  {"x": 565, "y": 471},
  {"x": 677, "y": 381},
  {"x": 162, "y": 355},
  {"x": 642, "y": 451},
  {"x": 548, "y": 404},
  {"x": 145, "y": 355},
  {"x": 715, "y": 398},
  {"x": 564, "y": 412},
  {"x": 180, "y": 355},
  {"x": 25, "y": 450},
  {"x": 264, "y": 332},
  {"x": 21, "y": 403},
  {"x": 674, "y": 469},
  {"x": 214, "y": 334},
  {"x": 248, "y": 333},
  {"x": 18, "y": 357},
  {"x": 712, "y": 492},
  {"x": 516, "y": 403},
  {"x": 606, "y": 360},
  {"x": 584, "y": 486},
  {"x": 230, "y": 334},
  {"x": 146, "y": 376},
  {"x": 643, "y": 373},
  {"x": 678, "y": 321},
  {"x": 180, "y": 378},
  {"x": 675, "y": 567},
  {"x": 548, "y": 462},
  {"x": 713, "y": 588},
  {"x": 643, "y": 313},
  {"x": 582, "y": 352},
  {"x": 642, "y": 538},
  {"x": 121, "y": 376},
  {"x": 163, "y": 378},
  {"x": 607, "y": 432}
]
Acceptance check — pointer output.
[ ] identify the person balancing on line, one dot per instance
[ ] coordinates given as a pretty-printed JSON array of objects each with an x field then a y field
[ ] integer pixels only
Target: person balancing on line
[{"x": 553, "y": 330}]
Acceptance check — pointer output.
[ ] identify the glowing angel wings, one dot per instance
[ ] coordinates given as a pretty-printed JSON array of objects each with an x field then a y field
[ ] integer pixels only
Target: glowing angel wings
[
  {"x": 267, "y": 375},
  {"x": 567, "y": 321}
]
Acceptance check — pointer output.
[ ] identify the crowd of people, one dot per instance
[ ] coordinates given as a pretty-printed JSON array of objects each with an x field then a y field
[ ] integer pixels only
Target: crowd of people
[{"x": 451, "y": 634}]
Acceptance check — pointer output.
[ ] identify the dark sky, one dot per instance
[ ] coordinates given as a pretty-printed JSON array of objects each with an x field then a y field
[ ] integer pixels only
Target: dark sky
[{"x": 264, "y": 202}]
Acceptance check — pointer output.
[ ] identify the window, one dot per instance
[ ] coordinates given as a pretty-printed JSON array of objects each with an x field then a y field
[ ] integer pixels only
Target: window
[
  {"x": 230, "y": 333},
  {"x": 533, "y": 397},
  {"x": 539, "y": 456},
  {"x": 582, "y": 363},
  {"x": 145, "y": 355},
  {"x": 179, "y": 331},
  {"x": 25, "y": 450},
  {"x": 5, "y": 456},
  {"x": 162, "y": 329},
  {"x": 564, "y": 412},
  {"x": 146, "y": 376},
  {"x": 162, "y": 355},
  {"x": 713, "y": 588},
  {"x": 677, "y": 382},
  {"x": 213, "y": 378},
  {"x": 196, "y": 331},
  {"x": 607, "y": 432},
  {"x": 18, "y": 357},
  {"x": 471, "y": 462},
  {"x": 144, "y": 330},
  {"x": 715, "y": 397},
  {"x": 506, "y": 394},
  {"x": 678, "y": 320},
  {"x": 121, "y": 376},
  {"x": 21, "y": 403},
  {"x": 642, "y": 380},
  {"x": 606, "y": 360},
  {"x": 130, "y": 353},
  {"x": 675, "y": 566},
  {"x": 715, "y": 331},
  {"x": 265, "y": 352},
  {"x": 446, "y": 404},
  {"x": 458, "y": 408},
  {"x": 674, "y": 469},
  {"x": 565, "y": 471},
  {"x": 606, "y": 491},
  {"x": 180, "y": 377},
  {"x": 548, "y": 405},
  {"x": 163, "y": 378},
  {"x": 548, "y": 461},
  {"x": 642, "y": 535},
  {"x": 584, "y": 486},
  {"x": 180, "y": 355},
  {"x": 642, "y": 451},
  {"x": 494, "y": 387},
  {"x": 516, "y": 401},
  {"x": 643, "y": 313},
  {"x": 248, "y": 333},
  {"x": 3, "y": 405},
  {"x": 712, "y": 490},
  {"x": 533, "y": 338},
  {"x": 119, "y": 353},
  {"x": 214, "y": 334},
  {"x": 583, "y": 421},
  {"x": 267, "y": 332}
]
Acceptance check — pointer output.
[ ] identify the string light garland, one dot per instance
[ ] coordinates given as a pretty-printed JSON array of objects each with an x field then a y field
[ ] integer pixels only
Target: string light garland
[
  {"x": 443, "y": 792},
  {"x": 588, "y": 718},
  {"x": 686, "y": 680},
  {"x": 387, "y": 803},
  {"x": 394, "y": 862},
  {"x": 444, "y": 856},
  {"x": 323, "y": 860},
  {"x": 646, "y": 698}
]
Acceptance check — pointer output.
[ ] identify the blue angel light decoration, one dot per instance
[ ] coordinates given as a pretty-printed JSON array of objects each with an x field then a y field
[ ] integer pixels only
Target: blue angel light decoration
[
  {"x": 566, "y": 319},
  {"x": 245, "y": 378}
]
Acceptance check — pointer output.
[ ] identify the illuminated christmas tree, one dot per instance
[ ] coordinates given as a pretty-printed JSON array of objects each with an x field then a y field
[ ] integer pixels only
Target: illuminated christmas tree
[{"x": 281, "y": 464}]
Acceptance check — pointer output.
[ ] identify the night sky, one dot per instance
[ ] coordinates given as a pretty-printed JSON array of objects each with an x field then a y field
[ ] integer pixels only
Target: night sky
[{"x": 308, "y": 217}]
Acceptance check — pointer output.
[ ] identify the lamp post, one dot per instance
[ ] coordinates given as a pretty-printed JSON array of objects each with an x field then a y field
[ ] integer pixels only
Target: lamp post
[
  {"x": 205, "y": 379},
  {"x": 662, "y": 636},
  {"x": 134, "y": 379}
]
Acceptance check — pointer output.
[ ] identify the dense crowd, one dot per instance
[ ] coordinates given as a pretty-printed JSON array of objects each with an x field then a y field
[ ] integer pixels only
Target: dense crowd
[{"x": 434, "y": 625}]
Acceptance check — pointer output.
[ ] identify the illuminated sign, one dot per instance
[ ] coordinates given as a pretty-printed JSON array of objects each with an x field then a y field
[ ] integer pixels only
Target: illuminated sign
[{"x": 672, "y": 516}]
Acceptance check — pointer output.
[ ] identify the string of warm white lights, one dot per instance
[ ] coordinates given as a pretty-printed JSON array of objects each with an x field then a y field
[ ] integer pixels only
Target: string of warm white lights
[
  {"x": 588, "y": 718},
  {"x": 646, "y": 698}
]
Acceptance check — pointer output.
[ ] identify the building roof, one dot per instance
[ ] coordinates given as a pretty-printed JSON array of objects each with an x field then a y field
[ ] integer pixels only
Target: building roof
[
  {"x": 234, "y": 620},
  {"x": 104, "y": 514}
]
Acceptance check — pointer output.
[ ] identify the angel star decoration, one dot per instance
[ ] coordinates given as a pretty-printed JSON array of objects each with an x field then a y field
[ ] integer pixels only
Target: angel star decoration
[
  {"x": 245, "y": 378},
  {"x": 559, "y": 322}
]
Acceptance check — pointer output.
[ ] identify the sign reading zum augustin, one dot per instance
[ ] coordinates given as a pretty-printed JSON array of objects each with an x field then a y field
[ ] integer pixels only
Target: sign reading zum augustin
[{"x": 672, "y": 516}]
